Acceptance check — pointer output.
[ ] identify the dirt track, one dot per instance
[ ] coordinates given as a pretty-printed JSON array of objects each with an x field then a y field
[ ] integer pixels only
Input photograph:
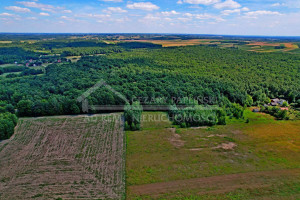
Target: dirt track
[{"x": 215, "y": 184}]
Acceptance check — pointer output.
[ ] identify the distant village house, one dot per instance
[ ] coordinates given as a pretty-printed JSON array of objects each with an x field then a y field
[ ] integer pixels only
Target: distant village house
[{"x": 277, "y": 102}]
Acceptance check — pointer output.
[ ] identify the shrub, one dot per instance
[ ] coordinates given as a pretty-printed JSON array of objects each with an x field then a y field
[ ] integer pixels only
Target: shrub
[
  {"x": 8, "y": 121},
  {"x": 285, "y": 104},
  {"x": 236, "y": 111},
  {"x": 197, "y": 116},
  {"x": 133, "y": 114}
]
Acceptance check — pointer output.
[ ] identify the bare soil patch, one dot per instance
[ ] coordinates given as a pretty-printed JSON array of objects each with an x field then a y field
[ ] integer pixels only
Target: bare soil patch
[
  {"x": 200, "y": 127},
  {"x": 196, "y": 149},
  {"x": 216, "y": 135},
  {"x": 215, "y": 184},
  {"x": 226, "y": 146},
  {"x": 175, "y": 140}
]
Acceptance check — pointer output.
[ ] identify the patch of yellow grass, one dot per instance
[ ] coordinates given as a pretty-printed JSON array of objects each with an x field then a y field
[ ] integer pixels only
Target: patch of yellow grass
[
  {"x": 175, "y": 43},
  {"x": 291, "y": 45},
  {"x": 282, "y": 137},
  {"x": 73, "y": 58},
  {"x": 5, "y": 42}
]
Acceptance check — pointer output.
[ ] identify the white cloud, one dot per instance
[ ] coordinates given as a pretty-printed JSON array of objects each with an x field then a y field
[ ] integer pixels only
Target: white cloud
[
  {"x": 67, "y": 11},
  {"x": 115, "y": 1},
  {"x": 245, "y": 9},
  {"x": 204, "y": 2},
  {"x": 99, "y": 17},
  {"x": 6, "y": 15},
  {"x": 255, "y": 14},
  {"x": 227, "y": 4},
  {"x": 149, "y": 18},
  {"x": 43, "y": 7},
  {"x": 238, "y": 11},
  {"x": 17, "y": 9},
  {"x": 208, "y": 16},
  {"x": 70, "y": 19},
  {"x": 32, "y": 4},
  {"x": 44, "y": 14},
  {"x": 278, "y": 4},
  {"x": 228, "y": 12},
  {"x": 188, "y": 15},
  {"x": 184, "y": 19},
  {"x": 168, "y": 13},
  {"x": 195, "y": 7},
  {"x": 115, "y": 10},
  {"x": 143, "y": 6},
  {"x": 204, "y": 16},
  {"x": 179, "y": 2},
  {"x": 47, "y": 9}
]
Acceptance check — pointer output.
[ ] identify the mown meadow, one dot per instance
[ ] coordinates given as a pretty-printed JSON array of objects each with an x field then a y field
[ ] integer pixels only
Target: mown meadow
[{"x": 164, "y": 153}]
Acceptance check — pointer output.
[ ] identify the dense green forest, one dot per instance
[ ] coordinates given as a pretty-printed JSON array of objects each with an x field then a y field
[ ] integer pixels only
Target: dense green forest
[
  {"x": 226, "y": 78},
  {"x": 170, "y": 72},
  {"x": 16, "y": 54},
  {"x": 20, "y": 52}
]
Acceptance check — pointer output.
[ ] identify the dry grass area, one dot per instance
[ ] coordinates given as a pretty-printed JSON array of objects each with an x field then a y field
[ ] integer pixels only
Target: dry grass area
[
  {"x": 254, "y": 46},
  {"x": 264, "y": 44},
  {"x": 280, "y": 138},
  {"x": 74, "y": 59},
  {"x": 64, "y": 158},
  {"x": 176, "y": 43},
  {"x": 289, "y": 46},
  {"x": 5, "y": 42},
  {"x": 256, "y": 160}
]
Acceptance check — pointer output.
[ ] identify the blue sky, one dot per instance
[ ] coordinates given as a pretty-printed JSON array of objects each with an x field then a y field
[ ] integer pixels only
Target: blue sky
[{"x": 233, "y": 17}]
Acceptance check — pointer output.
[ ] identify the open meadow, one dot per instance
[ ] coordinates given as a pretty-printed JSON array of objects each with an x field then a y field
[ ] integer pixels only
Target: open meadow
[
  {"x": 80, "y": 157},
  {"x": 255, "y": 160}
]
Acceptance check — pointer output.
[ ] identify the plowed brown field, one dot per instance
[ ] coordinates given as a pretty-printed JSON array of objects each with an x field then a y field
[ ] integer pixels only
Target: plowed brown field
[{"x": 64, "y": 157}]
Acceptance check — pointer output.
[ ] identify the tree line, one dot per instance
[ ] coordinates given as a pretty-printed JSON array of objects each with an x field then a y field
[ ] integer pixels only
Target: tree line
[{"x": 8, "y": 120}]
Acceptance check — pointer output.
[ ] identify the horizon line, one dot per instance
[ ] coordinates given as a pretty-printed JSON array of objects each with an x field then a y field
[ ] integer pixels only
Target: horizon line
[{"x": 115, "y": 33}]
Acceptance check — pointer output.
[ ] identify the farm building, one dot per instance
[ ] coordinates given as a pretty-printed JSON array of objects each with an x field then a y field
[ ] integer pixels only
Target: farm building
[
  {"x": 274, "y": 104},
  {"x": 277, "y": 102}
]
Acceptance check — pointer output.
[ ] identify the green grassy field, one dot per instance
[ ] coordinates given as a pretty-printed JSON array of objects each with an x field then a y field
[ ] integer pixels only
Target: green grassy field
[
  {"x": 5, "y": 74},
  {"x": 160, "y": 153},
  {"x": 8, "y": 65}
]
